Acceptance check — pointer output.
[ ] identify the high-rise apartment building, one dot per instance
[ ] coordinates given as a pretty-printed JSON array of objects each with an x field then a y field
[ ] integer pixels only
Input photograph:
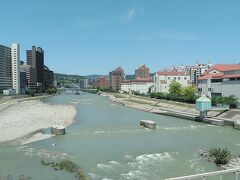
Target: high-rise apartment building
[
  {"x": 15, "y": 53},
  {"x": 196, "y": 71},
  {"x": 23, "y": 81},
  {"x": 83, "y": 83},
  {"x": 30, "y": 76},
  {"x": 48, "y": 78},
  {"x": 35, "y": 58},
  {"x": 142, "y": 72},
  {"x": 116, "y": 77},
  {"x": 5, "y": 68},
  {"x": 102, "y": 82}
]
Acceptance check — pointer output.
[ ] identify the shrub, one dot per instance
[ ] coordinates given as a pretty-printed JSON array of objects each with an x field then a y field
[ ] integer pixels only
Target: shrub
[
  {"x": 232, "y": 101},
  {"x": 67, "y": 165},
  {"x": 178, "y": 98},
  {"x": 51, "y": 90},
  {"x": 220, "y": 156}
]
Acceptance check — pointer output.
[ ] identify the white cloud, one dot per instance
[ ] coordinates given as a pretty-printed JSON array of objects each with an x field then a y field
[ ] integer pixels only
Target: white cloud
[{"x": 129, "y": 15}]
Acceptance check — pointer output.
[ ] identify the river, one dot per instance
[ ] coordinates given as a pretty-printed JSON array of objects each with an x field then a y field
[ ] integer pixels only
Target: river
[{"x": 107, "y": 143}]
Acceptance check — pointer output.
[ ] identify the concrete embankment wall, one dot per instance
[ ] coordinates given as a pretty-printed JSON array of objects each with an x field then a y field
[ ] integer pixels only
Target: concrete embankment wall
[{"x": 178, "y": 114}]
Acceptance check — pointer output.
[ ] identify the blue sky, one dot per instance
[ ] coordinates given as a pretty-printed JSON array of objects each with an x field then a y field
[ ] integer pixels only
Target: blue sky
[{"x": 95, "y": 36}]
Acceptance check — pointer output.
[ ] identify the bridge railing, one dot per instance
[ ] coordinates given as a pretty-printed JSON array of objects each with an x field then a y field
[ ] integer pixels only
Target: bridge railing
[{"x": 204, "y": 176}]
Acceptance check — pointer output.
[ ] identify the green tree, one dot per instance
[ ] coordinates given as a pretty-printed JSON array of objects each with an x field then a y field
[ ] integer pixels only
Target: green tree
[
  {"x": 189, "y": 91},
  {"x": 175, "y": 88}
]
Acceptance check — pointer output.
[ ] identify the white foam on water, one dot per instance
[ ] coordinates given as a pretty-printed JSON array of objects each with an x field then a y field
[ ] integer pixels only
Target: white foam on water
[
  {"x": 94, "y": 176},
  {"x": 105, "y": 167},
  {"x": 144, "y": 161},
  {"x": 153, "y": 157},
  {"x": 134, "y": 175},
  {"x": 192, "y": 127},
  {"x": 128, "y": 157},
  {"x": 114, "y": 163},
  {"x": 110, "y": 132},
  {"x": 195, "y": 162}
]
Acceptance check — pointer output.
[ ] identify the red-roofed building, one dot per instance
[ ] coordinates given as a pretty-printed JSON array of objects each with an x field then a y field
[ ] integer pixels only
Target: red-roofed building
[
  {"x": 162, "y": 80},
  {"x": 220, "y": 80}
]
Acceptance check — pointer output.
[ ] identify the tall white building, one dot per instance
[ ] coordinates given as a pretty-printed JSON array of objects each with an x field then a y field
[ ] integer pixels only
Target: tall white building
[
  {"x": 83, "y": 83},
  {"x": 15, "y": 53},
  {"x": 196, "y": 71}
]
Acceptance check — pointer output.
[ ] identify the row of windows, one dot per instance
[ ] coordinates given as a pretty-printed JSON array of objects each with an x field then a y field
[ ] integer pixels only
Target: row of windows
[{"x": 185, "y": 78}]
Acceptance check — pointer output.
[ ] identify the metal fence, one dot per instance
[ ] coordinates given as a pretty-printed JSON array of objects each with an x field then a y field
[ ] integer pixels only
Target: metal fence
[{"x": 204, "y": 176}]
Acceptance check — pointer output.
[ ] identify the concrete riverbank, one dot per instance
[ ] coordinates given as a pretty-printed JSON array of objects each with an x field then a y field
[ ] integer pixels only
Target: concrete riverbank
[
  {"x": 180, "y": 110},
  {"x": 24, "y": 119}
]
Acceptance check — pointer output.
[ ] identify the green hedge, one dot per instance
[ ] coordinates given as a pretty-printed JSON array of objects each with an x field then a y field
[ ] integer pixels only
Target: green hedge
[
  {"x": 178, "y": 98},
  {"x": 232, "y": 101}
]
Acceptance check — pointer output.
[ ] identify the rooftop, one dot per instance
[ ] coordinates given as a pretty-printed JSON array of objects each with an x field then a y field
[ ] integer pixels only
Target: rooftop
[
  {"x": 221, "y": 68},
  {"x": 165, "y": 73}
]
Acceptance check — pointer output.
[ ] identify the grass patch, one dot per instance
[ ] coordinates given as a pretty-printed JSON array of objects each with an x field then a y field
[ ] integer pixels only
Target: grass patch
[
  {"x": 66, "y": 165},
  {"x": 138, "y": 101},
  {"x": 118, "y": 96}
]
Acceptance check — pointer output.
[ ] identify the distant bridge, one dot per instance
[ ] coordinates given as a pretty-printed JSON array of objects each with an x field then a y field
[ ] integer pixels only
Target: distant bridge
[{"x": 74, "y": 90}]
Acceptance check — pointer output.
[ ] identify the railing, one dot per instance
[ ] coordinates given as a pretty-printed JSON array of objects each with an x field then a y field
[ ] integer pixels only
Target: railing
[{"x": 204, "y": 176}]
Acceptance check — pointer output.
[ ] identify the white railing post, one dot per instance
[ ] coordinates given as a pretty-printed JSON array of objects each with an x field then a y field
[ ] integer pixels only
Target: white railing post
[
  {"x": 220, "y": 177},
  {"x": 237, "y": 172}
]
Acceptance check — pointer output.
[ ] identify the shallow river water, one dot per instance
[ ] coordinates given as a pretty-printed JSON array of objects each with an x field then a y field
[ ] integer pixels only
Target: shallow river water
[{"x": 107, "y": 143}]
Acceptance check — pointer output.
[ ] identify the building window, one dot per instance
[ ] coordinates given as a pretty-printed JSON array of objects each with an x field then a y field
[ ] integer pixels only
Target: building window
[
  {"x": 178, "y": 78},
  {"x": 185, "y": 78}
]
